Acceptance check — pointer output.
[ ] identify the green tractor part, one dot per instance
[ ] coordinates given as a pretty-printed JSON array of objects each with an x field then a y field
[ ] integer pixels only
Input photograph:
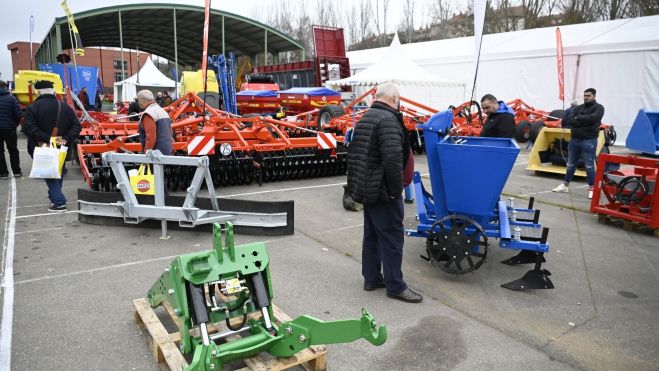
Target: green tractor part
[{"x": 231, "y": 282}]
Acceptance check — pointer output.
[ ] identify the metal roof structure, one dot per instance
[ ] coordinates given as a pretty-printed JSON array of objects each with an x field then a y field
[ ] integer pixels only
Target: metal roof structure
[{"x": 172, "y": 31}]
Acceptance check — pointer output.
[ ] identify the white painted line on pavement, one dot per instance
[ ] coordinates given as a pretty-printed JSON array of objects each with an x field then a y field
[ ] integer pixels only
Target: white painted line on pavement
[
  {"x": 283, "y": 190},
  {"x": 550, "y": 191},
  {"x": 47, "y": 214},
  {"x": 8, "y": 282},
  {"x": 39, "y": 230},
  {"x": 122, "y": 265}
]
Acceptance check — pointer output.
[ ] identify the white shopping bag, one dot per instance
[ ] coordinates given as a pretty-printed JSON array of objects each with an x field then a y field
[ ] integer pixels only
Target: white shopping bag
[{"x": 46, "y": 163}]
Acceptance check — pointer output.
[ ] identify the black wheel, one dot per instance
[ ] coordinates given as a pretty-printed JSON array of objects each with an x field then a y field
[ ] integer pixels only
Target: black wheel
[
  {"x": 555, "y": 115},
  {"x": 458, "y": 244},
  {"x": 327, "y": 113},
  {"x": 535, "y": 130},
  {"x": 610, "y": 136},
  {"x": 522, "y": 131}
]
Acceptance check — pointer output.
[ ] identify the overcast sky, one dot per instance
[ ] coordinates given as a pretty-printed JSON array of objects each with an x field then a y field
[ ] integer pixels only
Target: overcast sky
[{"x": 16, "y": 17}]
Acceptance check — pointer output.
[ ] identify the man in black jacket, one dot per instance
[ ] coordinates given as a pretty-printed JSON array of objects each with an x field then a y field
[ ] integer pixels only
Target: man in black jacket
[
  {"x": 41, "y": 123},
  {"x": 10, "y": 116},
  {"x": 584, "y": 122},
  {"x": 376, "y": 158},
  {"x": 500, "y": 118}
]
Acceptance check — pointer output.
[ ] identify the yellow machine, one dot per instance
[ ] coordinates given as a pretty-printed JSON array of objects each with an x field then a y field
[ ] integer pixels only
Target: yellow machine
[
  {"x": 24, "y": 79},
  {"x": 191, "y": 81},
  {"x": 548, "y": 146}
]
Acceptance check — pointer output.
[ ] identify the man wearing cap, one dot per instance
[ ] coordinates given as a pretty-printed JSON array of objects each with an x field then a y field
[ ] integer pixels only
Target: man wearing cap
[
  {"x": 10, "y": 116},
  {"x": 45, "y": 118},
  {"x": 155, "y": 126}
]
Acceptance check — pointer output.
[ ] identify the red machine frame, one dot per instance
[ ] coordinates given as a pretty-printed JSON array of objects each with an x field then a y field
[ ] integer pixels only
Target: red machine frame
[{"x": 645, "y": 210}]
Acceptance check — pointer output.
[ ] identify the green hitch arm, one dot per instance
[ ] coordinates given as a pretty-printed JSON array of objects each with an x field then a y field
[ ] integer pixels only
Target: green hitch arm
[{"x": 306, "y": 331}]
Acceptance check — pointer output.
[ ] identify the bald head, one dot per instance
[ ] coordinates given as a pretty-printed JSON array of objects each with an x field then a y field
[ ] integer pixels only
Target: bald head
[
  {"x": 388, "y": 93},
  {"x": 144, "y": 98}
]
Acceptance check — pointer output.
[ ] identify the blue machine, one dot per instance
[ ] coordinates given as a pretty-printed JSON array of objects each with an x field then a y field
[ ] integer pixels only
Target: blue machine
[
  {"x": 644, "y": 134},
  {"x": 225, "y": 72},
  {"x": 467, "y": 175}
]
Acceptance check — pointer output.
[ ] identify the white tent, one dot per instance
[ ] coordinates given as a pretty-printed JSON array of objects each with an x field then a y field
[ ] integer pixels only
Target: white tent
[
  {"x": 148, "y": 77},
  {"x": 414, "y": 82},
  {"x": 619, "y": 58}
]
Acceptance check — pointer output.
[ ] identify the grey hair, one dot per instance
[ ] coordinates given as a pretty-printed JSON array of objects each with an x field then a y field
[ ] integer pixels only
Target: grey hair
[
  {"x": 145, "y": 95},
  {"x": 574, "y": 103},
  {"x": 386, "y": 90}
]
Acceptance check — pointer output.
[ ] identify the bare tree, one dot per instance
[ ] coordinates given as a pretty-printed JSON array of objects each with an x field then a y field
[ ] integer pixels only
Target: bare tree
[
  {"x": 647, "y": 7},
  {"x": 578, "y": 11},
  {"x": 407, "y": 21},
  {"x": 532, "y": 10}
]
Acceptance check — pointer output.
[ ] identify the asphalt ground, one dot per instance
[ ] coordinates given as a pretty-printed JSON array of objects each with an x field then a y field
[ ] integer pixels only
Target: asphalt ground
[{"x": 73, "y": 285}]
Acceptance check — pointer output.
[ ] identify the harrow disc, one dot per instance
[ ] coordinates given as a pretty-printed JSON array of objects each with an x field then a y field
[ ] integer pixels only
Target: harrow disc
[{"x": 458, "y": 244}]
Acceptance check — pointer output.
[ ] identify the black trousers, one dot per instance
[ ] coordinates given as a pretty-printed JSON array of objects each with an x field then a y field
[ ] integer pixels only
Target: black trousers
[
  {"x": 382, "y": 247},
  {"x": 8, "y": 138}
]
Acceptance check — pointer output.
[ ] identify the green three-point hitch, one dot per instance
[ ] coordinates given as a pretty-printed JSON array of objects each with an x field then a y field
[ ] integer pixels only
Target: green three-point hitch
[{"x": 231, "y": 282}]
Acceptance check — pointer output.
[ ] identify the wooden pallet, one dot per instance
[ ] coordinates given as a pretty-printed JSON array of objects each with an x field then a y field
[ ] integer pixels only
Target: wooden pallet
[
  {"x": 627, "y": 225},
  {"x": 165, "y": 345}
]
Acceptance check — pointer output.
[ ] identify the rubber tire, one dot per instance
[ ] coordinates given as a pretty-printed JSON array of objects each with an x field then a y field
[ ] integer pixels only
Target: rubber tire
[
  {"x": 522, "y": 131},
  {"x": 331, "y": 110},
  {"x": 536, "y": 127},
  {"x": 558, "y": 113}
]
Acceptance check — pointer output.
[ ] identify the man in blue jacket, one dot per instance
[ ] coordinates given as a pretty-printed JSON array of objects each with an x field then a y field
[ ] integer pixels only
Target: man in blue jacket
[
  {"x": 500, "y": 118},
  {"x": 10, "y": 116}
]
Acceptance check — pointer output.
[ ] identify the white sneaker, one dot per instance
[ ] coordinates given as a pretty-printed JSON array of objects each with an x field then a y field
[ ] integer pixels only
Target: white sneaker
[
  {"x": 590, "y": 194},
  {"x": 562, "y": 188}
]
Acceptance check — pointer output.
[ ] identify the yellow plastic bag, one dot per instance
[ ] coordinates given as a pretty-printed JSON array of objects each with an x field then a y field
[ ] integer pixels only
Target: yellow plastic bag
[
  {"x": 143, "y": 183},
  {"x": 62, "y": 153}
]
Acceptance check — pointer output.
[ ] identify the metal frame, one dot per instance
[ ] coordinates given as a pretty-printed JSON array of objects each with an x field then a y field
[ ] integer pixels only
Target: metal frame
[{"x": 187, "y": 215}]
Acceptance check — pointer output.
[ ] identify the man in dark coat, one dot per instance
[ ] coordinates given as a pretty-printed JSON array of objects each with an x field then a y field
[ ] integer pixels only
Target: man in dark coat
[
  {"x": 500, "y": 118},
  {"x": 41, "y": 123},
  {"x": 10, "y": 116},
  {"x": 376, "y": 158},
  {"x": 584, "y": 122}
]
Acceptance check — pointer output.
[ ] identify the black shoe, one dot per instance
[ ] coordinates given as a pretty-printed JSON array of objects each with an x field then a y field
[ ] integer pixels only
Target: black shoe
[
  {"x": 59, "y": 208},
  {"x": 18, "y": 175},
  {"x": 373, "y": 286},
  {"x": 4, "y": 176},
  {"x": 408, "y": 296},
  {"x": 409, "y": 201}
]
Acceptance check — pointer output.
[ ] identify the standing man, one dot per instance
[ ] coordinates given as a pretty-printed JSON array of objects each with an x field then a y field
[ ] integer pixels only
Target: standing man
[
  {"x": 155, "y": 126},
  {"x": 10, "y": 116},
  {"x": 84, "y": 98},
  {"x": 376, "y": 158},
  {"x": 584, "y": 122},
  {"x": 500, "y": 118},
  {"x": 45, "y": 118}
]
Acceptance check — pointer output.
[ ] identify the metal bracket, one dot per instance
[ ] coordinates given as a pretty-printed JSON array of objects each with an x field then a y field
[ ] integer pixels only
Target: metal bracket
[{"x": 187, "y": 215}]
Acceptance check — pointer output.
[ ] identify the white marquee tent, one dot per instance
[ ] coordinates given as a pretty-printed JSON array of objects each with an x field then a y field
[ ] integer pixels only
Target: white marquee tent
[
  {"x": 619, "y": 58},
  {"x": 148, "y": 77},
  {"x": 414, "y": 82}
]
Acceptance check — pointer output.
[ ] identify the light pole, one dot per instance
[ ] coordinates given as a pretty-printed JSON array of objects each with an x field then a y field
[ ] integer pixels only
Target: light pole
[{"x": 31, "y": 29}]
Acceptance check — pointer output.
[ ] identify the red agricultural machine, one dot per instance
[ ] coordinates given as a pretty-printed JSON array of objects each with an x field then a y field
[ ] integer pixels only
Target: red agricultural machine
[
  {"x": 626, "y": 185},
  {"x": 241, "y": 149}
]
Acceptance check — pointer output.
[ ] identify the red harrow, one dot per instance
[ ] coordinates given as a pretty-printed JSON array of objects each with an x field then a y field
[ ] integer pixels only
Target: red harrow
[{"x": 243, "y": 149}]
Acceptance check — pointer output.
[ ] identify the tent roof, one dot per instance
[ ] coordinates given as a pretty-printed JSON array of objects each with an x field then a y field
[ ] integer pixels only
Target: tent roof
[
  {"x": 640, "y": 33},
  {"x": 149, "y": 75},
  {"x": 394, "y": 66}
]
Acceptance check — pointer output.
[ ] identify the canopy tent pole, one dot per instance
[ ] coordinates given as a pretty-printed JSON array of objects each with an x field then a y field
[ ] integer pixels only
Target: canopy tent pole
[{"x": 175, "y": 57}]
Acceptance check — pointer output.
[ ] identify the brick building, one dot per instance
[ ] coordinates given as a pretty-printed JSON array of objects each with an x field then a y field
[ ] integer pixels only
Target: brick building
[{"x": 108, "y": 61}]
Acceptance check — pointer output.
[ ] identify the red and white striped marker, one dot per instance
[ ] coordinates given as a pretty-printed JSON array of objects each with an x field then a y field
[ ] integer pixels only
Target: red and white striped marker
[
  {"x": 326, "y": 141},
  {"x": 201, "y": 145}
]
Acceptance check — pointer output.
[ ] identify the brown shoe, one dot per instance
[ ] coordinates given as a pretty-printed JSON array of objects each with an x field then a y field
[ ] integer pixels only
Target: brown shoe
[{"x": 408, "y": 295}]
